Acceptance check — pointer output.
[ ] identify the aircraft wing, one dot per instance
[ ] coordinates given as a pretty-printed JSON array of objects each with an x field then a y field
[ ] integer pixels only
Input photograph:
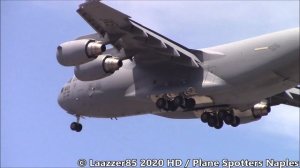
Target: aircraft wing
[
  {"x": 289, "y": 97},
  {"x": 134, "y": 40}
]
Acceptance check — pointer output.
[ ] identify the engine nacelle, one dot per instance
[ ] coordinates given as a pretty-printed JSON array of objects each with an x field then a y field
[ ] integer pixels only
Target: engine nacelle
[
  {"x": 99, "y": 68},
  {"x": 255, "y": 113},
  {"x": 260, "y": 109},
  {"x": 77, "y": 52}
]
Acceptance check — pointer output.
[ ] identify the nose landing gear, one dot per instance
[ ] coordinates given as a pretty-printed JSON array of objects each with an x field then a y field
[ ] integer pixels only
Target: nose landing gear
[{"x": 76, "y": 126}]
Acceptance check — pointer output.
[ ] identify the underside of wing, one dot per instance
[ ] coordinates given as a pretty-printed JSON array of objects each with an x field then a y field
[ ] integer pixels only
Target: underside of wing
[
  {"x": 134, "y": 40},
  {"x": 290, "y": 97}
]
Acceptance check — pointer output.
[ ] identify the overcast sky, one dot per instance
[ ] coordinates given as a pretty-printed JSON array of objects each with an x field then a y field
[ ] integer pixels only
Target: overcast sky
[{"x": 35, "y": 130}]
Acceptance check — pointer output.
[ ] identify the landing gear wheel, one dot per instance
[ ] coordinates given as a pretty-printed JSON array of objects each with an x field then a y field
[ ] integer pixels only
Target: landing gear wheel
[
  {"x": 222, "y": 114},
  {"x": 172, "y": 106},
  {"x": 178, "y": 100},
  {"x": 229, "y": 118},
  {"x": 190, "y": 103},
  {"x": 204, "y": 117},
  {"x": 219, "y": 124},
  {"x": 76, "y": 126},
  {"x": 236, "y": 122},
  {"x": 79, "y": 127},
  {"x": 73, "y": 126},
  {"x": 161, "y": 103},
  {"x": 212, "y": 121}
]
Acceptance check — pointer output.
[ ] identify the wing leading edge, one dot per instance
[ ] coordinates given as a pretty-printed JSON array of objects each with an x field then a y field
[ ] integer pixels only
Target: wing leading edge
[{"x": 134, "y": 40}]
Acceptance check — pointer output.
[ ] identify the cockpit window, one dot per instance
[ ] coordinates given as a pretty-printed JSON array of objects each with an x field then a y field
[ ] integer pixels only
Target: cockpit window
[{"x": 62, "y": 89}]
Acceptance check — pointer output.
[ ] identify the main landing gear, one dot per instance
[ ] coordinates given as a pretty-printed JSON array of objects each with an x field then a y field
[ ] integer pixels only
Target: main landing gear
[
  {"x": 76, "y": 126},
  {"x": 171, "y": 104},
  {"x": 217, "y": 119}
]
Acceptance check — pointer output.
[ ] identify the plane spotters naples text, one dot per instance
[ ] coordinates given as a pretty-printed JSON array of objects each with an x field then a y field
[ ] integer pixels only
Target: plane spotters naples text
[{"x": 226, "y": 163}]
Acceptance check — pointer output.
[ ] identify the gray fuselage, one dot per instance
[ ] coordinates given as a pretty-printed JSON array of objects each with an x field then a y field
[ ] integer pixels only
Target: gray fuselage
[{"x": 237, "y": 74}]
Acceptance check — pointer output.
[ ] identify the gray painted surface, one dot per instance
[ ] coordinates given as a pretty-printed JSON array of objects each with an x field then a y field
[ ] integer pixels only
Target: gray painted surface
[{"x": 233, "y": 76}]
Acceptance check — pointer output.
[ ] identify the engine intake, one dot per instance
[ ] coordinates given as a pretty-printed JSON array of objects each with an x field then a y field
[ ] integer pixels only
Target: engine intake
[
  {"x": 99, "y": 68},
  {"x": 78, "y": 52}
]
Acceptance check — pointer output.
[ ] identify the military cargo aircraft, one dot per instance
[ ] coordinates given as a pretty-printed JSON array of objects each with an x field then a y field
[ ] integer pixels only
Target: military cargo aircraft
[{"x": 144, "y": 72}]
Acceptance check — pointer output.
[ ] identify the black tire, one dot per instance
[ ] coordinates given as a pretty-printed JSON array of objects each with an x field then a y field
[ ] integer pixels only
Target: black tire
[
  {"x": 172, "y": 106},
  {"x": 204, "y": 117},
  {"x": 79, "y": 127},
  {"x": 73, "y": 126},
  {"x": 229, "y": 119},
  {"x": 236, "y": 122},
  {"x": 178, "y": 100},
  {"x": 161, "y": 103},
  {"x": 190, "y": 103},
  {"x": 269, "y": 109},
  {"x": 219, "y": 124},
  {"x": 222, "y": 114},
  {"x": 212, "y": 121}
]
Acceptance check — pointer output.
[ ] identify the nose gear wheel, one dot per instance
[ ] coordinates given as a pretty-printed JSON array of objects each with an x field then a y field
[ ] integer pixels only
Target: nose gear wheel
[{"x": 76, "y": 126}]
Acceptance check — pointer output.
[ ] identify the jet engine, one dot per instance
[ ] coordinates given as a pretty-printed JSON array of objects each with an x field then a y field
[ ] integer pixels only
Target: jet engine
[
  {"x": 77, "y": 52},
  {"x": 260, "y": 109},
  {"x": 99, "y": 68},
  {"x": 255, "y": 113}
]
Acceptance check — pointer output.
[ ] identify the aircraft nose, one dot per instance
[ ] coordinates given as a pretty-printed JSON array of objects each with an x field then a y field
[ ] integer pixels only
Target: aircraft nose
[
  {"x": 64, "y": 102},
  {"x": 60, "y": 100}
]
